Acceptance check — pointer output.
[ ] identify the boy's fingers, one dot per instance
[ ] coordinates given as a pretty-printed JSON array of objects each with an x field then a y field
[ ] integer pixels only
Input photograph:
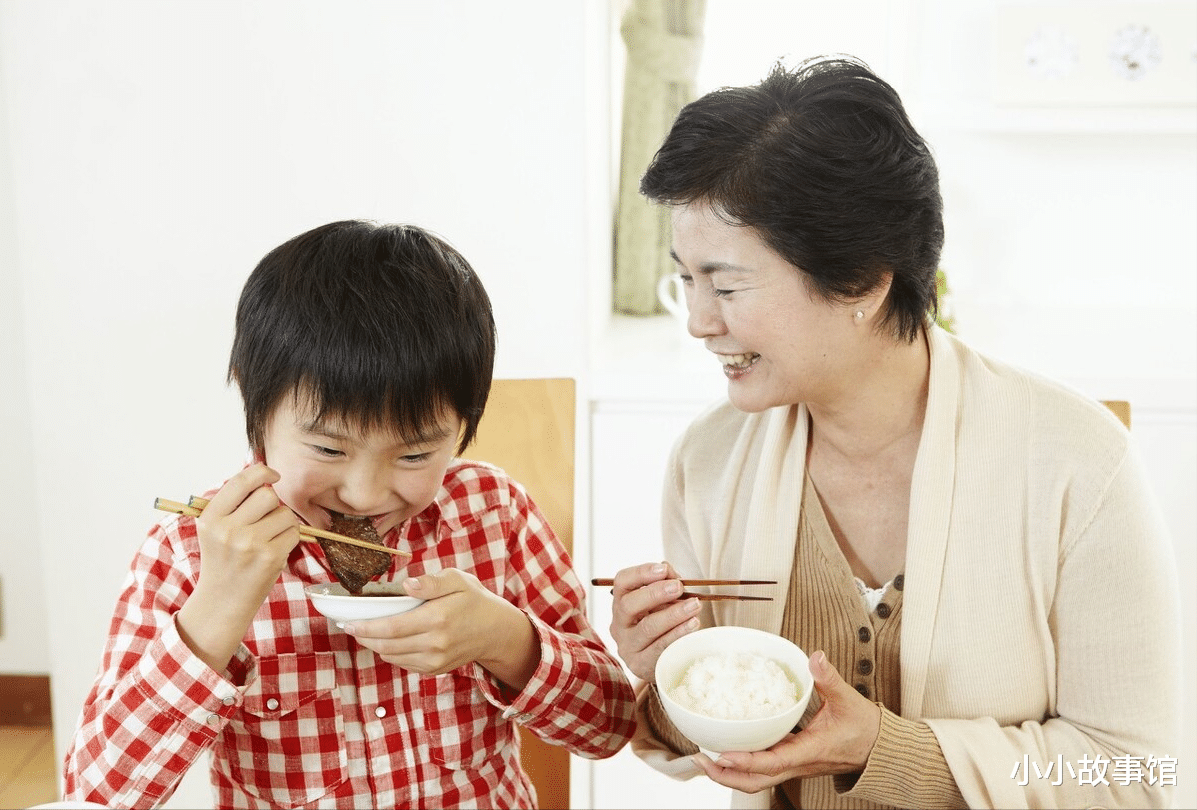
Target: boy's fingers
[
  {"x": 431, "y": 586},
  {"x": 240, "y": 487}
]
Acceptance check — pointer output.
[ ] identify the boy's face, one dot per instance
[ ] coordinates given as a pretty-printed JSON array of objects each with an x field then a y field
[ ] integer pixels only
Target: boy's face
[{"x": 329, "y": 466}]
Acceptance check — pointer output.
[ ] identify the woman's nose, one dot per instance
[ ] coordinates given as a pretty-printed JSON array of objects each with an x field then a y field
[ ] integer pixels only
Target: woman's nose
[{"x": 704, "y": 320}]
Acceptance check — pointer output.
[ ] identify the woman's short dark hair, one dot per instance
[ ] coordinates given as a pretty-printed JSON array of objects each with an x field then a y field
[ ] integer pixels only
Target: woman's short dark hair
[
  {"x": 379, "y": 326},
  {"x": 823, "y": 162}
]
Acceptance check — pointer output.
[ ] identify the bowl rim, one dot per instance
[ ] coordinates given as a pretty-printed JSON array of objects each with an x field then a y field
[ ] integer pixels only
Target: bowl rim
[
  {"x": 805, "y": 681},
  {"x": 344, "y": 596}
]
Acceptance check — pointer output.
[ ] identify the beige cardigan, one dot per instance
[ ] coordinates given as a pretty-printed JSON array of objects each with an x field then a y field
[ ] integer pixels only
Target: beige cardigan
[{"x": 1041, "y": 611}]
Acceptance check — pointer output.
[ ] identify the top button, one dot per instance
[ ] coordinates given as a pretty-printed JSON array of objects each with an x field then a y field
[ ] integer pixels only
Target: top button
[
  {"x": 899, "y": 581},
  {"x": 883, "y": 610},
  {"x": 229, "y": 701}
]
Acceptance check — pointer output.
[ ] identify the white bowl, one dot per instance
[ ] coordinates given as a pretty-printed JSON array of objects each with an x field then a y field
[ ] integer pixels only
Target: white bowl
[
  {"x": 715, "y": 735},
  {"x": 331, "y": 599}
]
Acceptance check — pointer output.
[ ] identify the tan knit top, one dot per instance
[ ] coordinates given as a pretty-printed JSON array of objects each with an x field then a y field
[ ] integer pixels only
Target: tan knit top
[{"x": 825, "y": 611}]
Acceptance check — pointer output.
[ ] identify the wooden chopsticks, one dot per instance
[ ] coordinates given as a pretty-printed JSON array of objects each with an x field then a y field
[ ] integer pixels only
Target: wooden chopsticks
[
  {"x": 196, "y": 505},
  {"x": 710, "y": 597}
]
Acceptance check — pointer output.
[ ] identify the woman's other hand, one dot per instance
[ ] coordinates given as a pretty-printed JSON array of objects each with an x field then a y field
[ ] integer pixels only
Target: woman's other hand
[
  {"x": 838, "y": 739},
  {"x": 648, "y": 615}
]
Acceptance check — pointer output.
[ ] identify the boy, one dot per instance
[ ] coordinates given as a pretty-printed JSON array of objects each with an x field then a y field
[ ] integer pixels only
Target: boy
[{"x": 363, "y": 354}]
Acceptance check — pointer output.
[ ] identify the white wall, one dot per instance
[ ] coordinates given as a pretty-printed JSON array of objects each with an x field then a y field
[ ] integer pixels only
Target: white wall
[{"x": 23, "y": 645}]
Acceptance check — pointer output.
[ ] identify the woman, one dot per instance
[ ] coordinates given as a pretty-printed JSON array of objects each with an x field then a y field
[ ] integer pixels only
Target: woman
[{"x": 970, "y": 552}]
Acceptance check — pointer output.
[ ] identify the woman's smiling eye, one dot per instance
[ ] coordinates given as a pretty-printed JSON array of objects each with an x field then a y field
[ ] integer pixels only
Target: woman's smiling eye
[{"x": 721, "y": 293}]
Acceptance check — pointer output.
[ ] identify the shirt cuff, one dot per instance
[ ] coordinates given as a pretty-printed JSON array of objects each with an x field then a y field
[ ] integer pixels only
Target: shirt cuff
[
  {"x": 549, "y": 679},
  {"x": 906, "y": 768},
  {"x": 181, "y": 685}
]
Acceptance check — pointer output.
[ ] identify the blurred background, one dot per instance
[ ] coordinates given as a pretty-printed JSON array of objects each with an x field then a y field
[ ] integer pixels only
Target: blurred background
[{"x": 151, "y": 153}]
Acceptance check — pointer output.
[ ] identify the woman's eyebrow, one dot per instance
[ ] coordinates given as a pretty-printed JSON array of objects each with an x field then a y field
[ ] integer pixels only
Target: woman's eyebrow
[{"x": 706, "y": 268}]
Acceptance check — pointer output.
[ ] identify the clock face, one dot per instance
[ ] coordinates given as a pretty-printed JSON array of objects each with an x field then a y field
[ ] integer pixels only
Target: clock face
[
  {"x": 1050, "y": 52},
  {"x": 1134, "y": 51}
]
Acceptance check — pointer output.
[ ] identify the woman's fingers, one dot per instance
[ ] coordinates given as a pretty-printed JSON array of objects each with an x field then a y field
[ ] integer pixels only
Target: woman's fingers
[{"x": 647, "y": 615}]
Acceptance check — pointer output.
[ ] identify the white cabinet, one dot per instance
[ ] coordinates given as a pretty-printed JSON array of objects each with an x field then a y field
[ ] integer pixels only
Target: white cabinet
[{"x": 630, "y": 443}]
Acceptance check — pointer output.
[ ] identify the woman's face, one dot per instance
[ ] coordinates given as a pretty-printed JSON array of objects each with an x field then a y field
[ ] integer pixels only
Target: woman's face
[{"x": 753, "y": 309}]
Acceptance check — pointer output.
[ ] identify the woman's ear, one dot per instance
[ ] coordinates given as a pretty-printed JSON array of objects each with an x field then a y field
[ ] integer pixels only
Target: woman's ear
[
  {"x": 877, "y": 297},
  {"x": 865, "y": 308}
]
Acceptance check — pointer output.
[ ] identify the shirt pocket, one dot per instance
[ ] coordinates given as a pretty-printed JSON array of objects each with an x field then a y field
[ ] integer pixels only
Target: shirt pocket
[
  {"x": 286, "y": 746},
  {"x": 462, "y": 730}
]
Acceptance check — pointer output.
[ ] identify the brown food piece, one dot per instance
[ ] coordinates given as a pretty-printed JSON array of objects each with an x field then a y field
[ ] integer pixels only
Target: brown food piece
[{"x": 354, "y": 566}]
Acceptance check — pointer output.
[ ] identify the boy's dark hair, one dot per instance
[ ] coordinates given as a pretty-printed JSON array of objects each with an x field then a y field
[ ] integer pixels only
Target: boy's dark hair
[
  {"x": 379, "y": 326},
  {"x": 824, "y": 164}
]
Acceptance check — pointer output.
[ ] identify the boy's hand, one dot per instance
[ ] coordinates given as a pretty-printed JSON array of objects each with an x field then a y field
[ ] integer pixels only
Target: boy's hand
[
  {"x": 245, "y": 536},
  {"x": 460, "y": 622}
]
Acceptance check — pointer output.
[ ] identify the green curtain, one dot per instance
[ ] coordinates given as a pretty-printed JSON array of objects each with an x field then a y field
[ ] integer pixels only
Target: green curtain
[{"x": 664, "y": 44}]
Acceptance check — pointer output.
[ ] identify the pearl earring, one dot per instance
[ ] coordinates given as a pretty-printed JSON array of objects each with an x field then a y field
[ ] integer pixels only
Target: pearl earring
[{"x": 859, "y": 314}]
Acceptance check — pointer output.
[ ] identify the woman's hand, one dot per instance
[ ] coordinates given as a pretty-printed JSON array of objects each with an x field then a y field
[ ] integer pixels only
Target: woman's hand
[
  {"x": 460, "y": 622},
  {"x": 245, "y": 536},
  {"x": 838, "y": 739},
  {"x": 648, "y": 616}
]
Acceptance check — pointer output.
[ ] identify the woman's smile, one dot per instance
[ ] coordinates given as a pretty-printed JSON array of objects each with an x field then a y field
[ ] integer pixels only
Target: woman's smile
[{"x": 736, "y": 366}]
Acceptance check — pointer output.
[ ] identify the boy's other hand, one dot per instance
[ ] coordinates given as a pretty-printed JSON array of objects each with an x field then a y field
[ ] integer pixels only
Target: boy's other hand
[
  {"x": 461, "y": 622},
  {"x": 245, "y": 536}
]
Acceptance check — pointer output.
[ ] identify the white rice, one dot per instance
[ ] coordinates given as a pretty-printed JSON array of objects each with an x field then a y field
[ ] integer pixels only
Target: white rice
[{"x": 736, "y": 686}]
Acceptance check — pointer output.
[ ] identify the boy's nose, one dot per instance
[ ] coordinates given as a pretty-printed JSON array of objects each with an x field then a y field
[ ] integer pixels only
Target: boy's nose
[{"x": 363, "y": 491}]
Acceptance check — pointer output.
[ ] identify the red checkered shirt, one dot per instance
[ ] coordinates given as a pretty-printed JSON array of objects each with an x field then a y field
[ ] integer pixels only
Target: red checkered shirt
[{"x": 304, "y": 716}]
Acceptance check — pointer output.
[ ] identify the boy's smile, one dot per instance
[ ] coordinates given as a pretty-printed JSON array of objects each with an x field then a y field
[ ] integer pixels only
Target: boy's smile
[{"x": 331, "y": 466}]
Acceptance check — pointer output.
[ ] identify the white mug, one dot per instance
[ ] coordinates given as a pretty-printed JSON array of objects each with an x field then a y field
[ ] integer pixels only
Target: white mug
[{"x": 672, "y": 294}]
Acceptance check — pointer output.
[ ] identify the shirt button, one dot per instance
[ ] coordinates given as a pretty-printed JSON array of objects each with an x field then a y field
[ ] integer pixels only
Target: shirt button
[
  {"x": 900, "y": 581},
  {"x": 864, "y": 690},
  {"x": 272, "y": 704},
  {"x": 213, "y": 719},
  {"x": 864, "y": 634},
  {"x": 883, "y": 610},
  {"x": 229, "y": 701},
  {"x": 864, "y": 666},
  {"x": 381, "y": 711}
]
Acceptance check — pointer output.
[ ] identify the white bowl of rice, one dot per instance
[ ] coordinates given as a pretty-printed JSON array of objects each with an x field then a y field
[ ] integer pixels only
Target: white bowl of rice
[{"x": 734, "y": 688}]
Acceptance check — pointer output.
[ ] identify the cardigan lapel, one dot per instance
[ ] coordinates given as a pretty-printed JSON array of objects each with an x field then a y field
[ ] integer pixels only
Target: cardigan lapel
[
  {"x": 931, "y": 493},
  {"x": 771, "y": 527}
]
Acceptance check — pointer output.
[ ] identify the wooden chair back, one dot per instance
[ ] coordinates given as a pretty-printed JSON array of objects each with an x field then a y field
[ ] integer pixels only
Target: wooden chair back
[
  {"x": 1121, "y": 409},
  {"x": 528, "y": 430}
]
